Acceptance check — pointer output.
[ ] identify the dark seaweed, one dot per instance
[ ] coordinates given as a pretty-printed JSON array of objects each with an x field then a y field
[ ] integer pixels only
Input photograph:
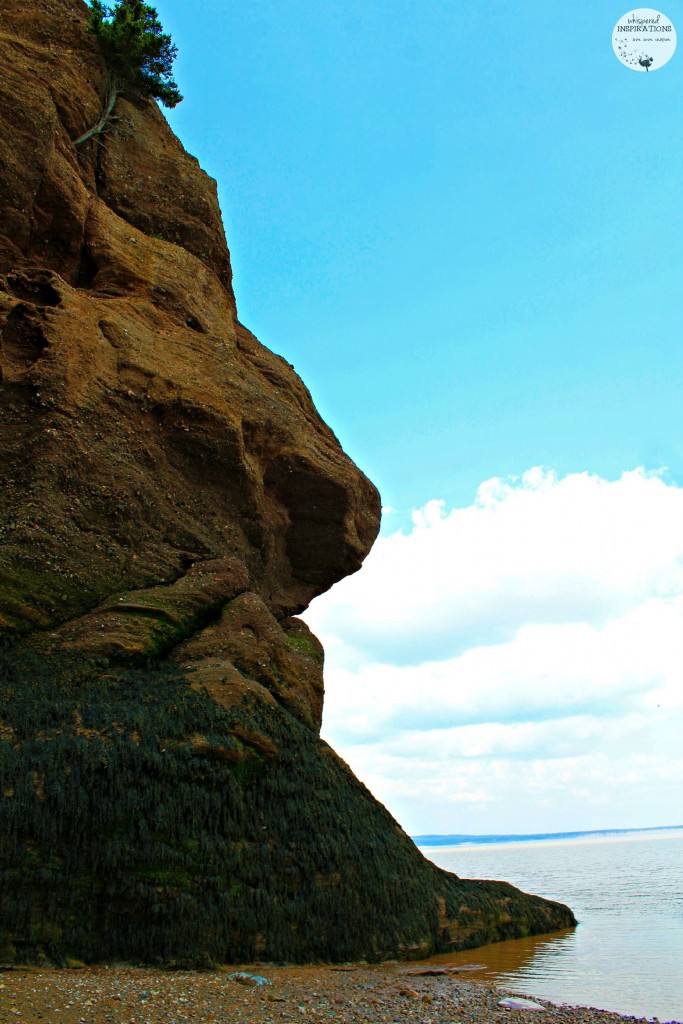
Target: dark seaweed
[{"x": 124, "y": 837}]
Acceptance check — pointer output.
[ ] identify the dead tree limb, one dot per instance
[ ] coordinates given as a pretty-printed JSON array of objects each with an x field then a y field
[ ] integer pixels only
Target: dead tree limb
[{"x": 113, "y": 93}]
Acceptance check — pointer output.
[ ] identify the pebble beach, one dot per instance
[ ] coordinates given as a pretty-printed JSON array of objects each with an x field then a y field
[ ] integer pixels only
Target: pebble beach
[{"x": 358, "y": 994}]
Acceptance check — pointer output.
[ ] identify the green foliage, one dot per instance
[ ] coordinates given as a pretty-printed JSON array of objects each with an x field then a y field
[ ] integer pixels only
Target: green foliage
[
  {"x": 124, "y": 837},
  {"x": 138, "y": 53}
]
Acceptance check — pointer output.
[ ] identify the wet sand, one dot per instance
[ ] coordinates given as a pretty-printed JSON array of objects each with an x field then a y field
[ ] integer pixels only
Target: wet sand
[{"x": 359, "y": 994}]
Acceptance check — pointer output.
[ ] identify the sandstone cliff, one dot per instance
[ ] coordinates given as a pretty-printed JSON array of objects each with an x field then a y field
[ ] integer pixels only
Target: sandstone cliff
[{"x": 170, "y": 500}]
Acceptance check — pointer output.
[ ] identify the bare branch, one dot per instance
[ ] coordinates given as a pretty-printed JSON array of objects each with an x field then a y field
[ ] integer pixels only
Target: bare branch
[{"x": 113, "y": 92}]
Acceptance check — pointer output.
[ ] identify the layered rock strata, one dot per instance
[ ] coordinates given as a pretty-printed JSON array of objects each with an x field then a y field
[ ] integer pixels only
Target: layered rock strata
[{"x": 170, "y": 500}]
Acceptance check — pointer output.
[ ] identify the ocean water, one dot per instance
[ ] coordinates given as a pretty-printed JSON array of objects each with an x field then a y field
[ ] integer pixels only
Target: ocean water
[{"x": 626, "y": 954}]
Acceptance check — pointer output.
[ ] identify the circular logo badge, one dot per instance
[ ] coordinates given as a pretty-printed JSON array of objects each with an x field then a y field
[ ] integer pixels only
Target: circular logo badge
[{"x": 644, "y": 40}]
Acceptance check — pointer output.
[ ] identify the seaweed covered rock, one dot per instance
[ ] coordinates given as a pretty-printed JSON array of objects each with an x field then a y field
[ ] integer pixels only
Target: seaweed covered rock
[
  {"x": 170, "y": 500},
  {"x": 143, "y": 819}
]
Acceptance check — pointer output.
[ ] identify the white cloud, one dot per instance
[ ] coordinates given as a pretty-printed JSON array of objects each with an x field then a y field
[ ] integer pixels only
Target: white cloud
[
  {"x": 524, "y": 652},
  {"x": 543, "y": 672}
]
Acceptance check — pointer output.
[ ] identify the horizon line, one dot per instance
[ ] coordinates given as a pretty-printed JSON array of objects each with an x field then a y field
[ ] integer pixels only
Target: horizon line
[{"x": 460, "y": 838}]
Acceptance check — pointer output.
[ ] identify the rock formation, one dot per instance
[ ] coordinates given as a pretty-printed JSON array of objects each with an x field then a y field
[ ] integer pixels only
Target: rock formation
[{"x": 170, "y": 500}]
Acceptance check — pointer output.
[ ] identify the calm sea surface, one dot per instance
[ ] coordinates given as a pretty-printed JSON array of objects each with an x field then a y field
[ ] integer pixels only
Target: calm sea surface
[{"x": 625, "y": 955}]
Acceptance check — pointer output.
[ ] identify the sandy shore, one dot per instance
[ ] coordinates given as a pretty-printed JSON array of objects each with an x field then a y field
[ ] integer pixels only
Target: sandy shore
[{"x": 382, "y": 994}]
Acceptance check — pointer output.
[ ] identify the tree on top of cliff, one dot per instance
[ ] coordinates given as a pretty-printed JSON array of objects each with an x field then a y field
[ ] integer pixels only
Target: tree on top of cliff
[{"x": 138, "y": 53}]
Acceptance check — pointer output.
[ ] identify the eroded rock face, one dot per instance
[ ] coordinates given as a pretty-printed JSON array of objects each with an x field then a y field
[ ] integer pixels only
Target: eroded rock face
[
  {"x": 145, "y": 429},
  {"x": 169, "y": 501}
]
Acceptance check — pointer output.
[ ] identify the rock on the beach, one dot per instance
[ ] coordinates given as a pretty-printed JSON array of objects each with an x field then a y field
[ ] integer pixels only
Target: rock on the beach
[
  {"x": 251, "y": 980},
  {"x": 519, "y": 1003},
  {"x": 170, "y": 501}
]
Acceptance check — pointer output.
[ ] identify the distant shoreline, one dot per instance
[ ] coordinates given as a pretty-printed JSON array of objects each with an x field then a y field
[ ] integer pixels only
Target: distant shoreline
[{"x": 473, "y": 840}]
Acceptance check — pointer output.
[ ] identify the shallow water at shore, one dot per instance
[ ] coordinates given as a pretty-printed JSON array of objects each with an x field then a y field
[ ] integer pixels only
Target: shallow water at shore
[{"x": 627, "y": 893}]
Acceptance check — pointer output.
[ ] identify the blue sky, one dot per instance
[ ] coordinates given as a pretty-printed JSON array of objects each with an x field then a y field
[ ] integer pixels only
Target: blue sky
[
  {"x": 447, "y": 216},
  {"x": 462, "y": 223}
]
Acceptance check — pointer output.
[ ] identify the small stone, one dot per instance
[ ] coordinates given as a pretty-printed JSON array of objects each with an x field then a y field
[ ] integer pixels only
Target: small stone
[
  {"x": 409, "y": 993},
  {"x": 519, "y": 1003},
  {"x": 251, "y": 980}
]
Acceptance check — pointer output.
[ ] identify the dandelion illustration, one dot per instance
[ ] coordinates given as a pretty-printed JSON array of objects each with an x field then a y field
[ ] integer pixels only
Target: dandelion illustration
[{"x": 635, "y": 59}]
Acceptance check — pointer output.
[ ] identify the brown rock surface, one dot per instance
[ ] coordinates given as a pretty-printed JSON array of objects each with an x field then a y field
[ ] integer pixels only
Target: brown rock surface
[
  {"x": 169, "y": 500},
  {"x": 143, "y": 428}
]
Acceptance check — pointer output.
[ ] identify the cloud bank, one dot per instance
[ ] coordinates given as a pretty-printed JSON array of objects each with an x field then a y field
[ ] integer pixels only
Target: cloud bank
[{"x": 517, "y": 665}]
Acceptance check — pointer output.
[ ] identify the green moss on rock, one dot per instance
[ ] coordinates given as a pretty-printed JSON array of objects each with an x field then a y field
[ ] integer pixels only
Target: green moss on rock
[{"x": 34, "y": 599}]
